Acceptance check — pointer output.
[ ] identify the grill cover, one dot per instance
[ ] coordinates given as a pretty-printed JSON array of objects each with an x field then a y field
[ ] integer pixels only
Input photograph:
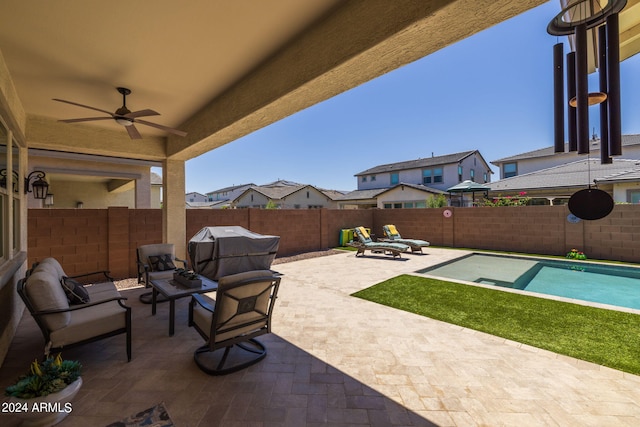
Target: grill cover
[{"x": 220, "y": 251}]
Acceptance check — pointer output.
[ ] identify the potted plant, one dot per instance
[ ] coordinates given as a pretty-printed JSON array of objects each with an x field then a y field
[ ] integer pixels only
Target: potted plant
[{"x": 42, "y": 396}]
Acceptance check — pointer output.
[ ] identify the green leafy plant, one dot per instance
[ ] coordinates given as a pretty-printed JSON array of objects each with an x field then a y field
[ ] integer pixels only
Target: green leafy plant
[
  {"x": 576, "y": 254},
  {"x": 50, "y": 376},
  {"x": 520, "y": 200},
  {"x": 437, "y": 201},
  {"x": 271, "y": 205}
]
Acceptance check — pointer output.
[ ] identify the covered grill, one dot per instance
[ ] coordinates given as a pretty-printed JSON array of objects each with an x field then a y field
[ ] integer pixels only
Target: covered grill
[{"x": 220, "y": 251}]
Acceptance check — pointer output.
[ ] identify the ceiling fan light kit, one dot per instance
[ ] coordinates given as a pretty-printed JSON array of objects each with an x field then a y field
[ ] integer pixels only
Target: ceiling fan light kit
[{"x": 123, "y": 116}]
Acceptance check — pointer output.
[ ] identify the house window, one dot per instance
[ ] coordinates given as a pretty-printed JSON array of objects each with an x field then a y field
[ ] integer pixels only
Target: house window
[
  {"x": 459, "y": 173},
  {"x": 397, "y": 205},
  {"x": 421, "y": 204},
  {"x": 387, "y": 205},
  {"x": 395, "y": 178},
  {"x": 364, "y": 179},
  {"x": 426, "y": 176},
  {"x": 373, "y": 178},
  {"x": 437, "y": 175},
  {"x": 408, "y": 205},
  {"x": 307, "y": 194},
  {"x": 472, "y": 174},
  {"x": 633, "y": 196},
  {"x": 509, "y": 170},
  {"x": 484, "y": 177}
]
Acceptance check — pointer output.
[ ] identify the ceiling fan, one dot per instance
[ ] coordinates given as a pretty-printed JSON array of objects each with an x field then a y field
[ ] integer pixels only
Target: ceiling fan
[{"x": 123, "y": 116}]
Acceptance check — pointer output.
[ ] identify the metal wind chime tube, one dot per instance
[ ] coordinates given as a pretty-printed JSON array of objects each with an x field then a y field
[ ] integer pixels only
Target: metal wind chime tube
[
  {"x": 571, "y": 93},
  {"x": 604, "y": 111},
  {"x": 613, "y": 71},
  {"x": 582, "y": 90},
  {"x": 558, "y": 90},
  {"x": 577, "y": 18}
]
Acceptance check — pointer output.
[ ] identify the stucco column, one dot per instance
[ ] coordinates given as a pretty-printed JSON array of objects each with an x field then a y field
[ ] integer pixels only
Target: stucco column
[
  {"x": 174, "y": 215},
  {"x": 143, "y": 192}
]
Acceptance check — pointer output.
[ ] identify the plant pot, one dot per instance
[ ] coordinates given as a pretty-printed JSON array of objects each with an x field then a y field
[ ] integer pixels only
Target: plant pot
[{"x": 47, "y": 410}]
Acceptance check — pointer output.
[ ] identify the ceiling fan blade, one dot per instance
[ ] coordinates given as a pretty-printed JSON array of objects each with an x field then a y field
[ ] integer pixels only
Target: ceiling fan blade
[
  {"x": 141, "y": 113},
  {"x": 84, "y": 106},
  {"x": 85, "y": 119},
  {"x": 165, "y": 128},
  {"x": 133, "y": 132}
]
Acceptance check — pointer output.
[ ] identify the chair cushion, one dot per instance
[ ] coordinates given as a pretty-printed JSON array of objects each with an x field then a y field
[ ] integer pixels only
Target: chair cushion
[
  {"x": 162, "y": 262},
  {"x": 53, "y": 264},
  {"x": 90, "y": 322},
  {"x": 76, "y": 293},
  {"x": 45, "y": 293}
]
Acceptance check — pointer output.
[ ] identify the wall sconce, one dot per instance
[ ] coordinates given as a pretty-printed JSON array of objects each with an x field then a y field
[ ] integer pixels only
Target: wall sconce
[
  {"x": 79, "y": 205},
  {"x": 3, "y": 179},
  {"x": 48, "y": 200},
  {"x": 39, "y": 187}
]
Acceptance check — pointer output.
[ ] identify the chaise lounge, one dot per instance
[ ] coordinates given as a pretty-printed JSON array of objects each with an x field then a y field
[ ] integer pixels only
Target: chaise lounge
[
  {"x": 392, "y": 235},
  {"x": 366, "y": 243}
]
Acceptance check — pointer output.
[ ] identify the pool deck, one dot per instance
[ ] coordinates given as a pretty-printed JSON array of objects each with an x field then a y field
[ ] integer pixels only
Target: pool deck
[{"x": 342, "y": 361}]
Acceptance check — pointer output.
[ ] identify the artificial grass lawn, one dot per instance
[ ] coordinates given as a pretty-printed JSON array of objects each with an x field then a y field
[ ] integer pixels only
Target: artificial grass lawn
[{"x": 606, "y": 337}]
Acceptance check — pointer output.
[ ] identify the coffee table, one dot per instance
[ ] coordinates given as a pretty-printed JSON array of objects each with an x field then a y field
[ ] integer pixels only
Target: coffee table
[{"x": 173, "y": 290}]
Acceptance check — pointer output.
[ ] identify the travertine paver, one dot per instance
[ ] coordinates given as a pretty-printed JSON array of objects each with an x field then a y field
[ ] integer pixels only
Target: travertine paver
[{"x": 338, "y": 360}]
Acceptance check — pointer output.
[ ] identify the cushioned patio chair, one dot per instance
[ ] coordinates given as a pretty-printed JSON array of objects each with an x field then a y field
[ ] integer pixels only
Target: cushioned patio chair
[
  {"x": 69, "y": 314},
  {"x": 392, "y": 235},
  {"x": 230, "y": 324},
  {"x": 155, "y": 262},
  {"x": 366, "y": 243}
]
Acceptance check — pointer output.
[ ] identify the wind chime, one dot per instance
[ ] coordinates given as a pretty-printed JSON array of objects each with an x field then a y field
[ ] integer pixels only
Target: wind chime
[{"x": 576, "y": 19}]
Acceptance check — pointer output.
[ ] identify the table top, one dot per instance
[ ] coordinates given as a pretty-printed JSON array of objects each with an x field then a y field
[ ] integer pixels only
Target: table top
[{"x": 172, "y": 289}]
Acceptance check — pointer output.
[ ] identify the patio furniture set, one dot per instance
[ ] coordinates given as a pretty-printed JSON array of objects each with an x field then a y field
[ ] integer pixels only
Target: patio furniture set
[
  {"x": 392, "y": 243},
  {"x": 228, "y": 312}
]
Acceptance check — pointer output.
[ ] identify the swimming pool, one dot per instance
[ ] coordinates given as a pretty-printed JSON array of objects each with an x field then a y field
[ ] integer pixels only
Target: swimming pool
[{"x": 606, "y": 284}]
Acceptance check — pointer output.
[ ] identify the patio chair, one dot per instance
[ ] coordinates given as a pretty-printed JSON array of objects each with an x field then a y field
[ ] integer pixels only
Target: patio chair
[
  {"x": 392, "y": 235},
  {"x": 366, "y": 243},
  {"x": 155, "y": 262},
  {"x": 230, "y": 324},
  {"x": 66, "y": 321}
]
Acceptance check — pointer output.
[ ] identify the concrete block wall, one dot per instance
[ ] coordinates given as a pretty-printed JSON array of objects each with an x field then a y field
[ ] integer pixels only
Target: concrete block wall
[
  {"x": 106, "y": 239},
  {"x": 78, "y": 238}
]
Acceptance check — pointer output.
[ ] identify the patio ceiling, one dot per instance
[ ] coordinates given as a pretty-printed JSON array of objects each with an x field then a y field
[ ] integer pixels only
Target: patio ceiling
[{"x": 216, "y": 69}]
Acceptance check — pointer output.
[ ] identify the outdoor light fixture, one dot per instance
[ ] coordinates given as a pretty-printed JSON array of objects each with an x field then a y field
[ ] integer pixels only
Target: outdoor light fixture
[
  {"x": 79, "y": 205},
  {"x": 48, "y": 200},
  {"x": 39, "y": 187},
  {"x": 575, "y": 19},
  {"x": 3, "y": 179}
]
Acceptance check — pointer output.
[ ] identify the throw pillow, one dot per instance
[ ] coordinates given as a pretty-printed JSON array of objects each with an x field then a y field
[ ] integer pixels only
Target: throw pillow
[
  {"x": 76, "y": 293},
  {"x": 162, "y": 262}
]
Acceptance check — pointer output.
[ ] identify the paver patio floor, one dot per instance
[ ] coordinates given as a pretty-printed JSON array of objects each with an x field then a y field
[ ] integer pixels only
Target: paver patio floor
[{"x": 338, "y": 360}]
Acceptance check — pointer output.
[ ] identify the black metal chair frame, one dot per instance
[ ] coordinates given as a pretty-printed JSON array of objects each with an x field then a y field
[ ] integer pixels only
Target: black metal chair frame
[
  {"x": 246, "y": 342},
  {"x": 38, "y": 315},
  {"x": 143, "y": 271}
]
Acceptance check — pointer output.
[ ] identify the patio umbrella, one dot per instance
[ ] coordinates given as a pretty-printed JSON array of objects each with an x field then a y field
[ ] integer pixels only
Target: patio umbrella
[{"x": 468, "y": 186}]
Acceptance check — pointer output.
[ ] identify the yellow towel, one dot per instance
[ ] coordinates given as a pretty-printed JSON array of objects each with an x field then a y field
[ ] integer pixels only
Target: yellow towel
[
  {"x": 364, "y": 233},
  {"x": 392, "y": 230}
]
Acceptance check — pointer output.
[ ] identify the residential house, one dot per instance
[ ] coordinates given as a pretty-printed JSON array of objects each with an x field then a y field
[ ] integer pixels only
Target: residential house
[
  {"x": 194, "y": 196},
  {"x": 439, "y": 172},
  {"x": 544, "y": 158},
  {"x": 399, "y": 196},
  {"x": 555, "y": 185},
  {"x": 283, "y": 194},
  {"x": 227, "y": 193}
]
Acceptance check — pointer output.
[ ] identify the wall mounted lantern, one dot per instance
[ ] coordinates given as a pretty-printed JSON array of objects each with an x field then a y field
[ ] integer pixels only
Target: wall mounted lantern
[
  {"x": 48, "y": 200},
  {"x": 39, "y": 187}
]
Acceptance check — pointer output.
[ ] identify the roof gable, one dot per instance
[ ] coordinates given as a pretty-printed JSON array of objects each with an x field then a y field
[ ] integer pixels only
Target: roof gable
[{"x": 418, "y": 163}]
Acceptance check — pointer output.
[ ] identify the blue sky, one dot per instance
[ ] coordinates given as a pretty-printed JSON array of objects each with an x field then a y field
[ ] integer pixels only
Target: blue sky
[{"x": 491, "y": 92}]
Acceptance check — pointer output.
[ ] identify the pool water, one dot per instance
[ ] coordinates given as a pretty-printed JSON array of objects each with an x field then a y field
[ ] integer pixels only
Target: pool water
[{"x": 606, "y": 284}]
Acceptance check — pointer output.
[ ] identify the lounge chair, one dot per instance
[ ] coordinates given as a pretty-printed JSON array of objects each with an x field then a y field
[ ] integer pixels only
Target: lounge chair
[
  {"x": 392, "y": 235},
  {"x": 366, "y": 243}
]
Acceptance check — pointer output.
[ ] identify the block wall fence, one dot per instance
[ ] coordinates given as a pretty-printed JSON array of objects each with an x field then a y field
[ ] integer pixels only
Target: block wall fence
[{"x": 86, "y": 240}]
